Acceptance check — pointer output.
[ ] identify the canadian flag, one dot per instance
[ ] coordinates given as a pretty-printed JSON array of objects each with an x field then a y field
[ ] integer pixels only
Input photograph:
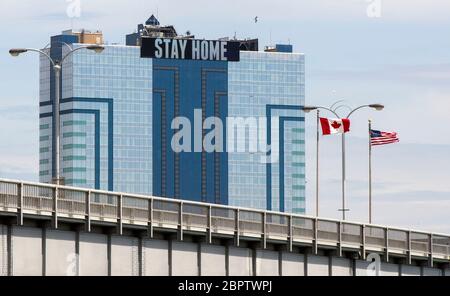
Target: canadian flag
[{"x": 335, "y": 126}]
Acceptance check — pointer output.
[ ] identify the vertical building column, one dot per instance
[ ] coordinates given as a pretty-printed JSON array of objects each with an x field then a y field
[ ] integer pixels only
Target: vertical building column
[
  {"x": 305, "y": 265},
  {"x": 109, "y": 254},
  {"x": 177, "y": 114},
  {"x": 9, "y": 250},
  {"x": 254, "y": 262},
  {"x": 44, "y": 251},
  {"x": 217, "y": 155},
  {"x": 280, "y": 263},
  {"x": 199, "y": 258},
  {"x": 330, "y": 265},
  {"x": 77, "y": 252},
  {"x": 163, "y": 145},
  {"x": 170, "y": 255},
  {"x": 227, "y": 260},
  {"x": 203, "y": 160},
  {"x": 353, "y": 262},
  {"x": 140, "y": 256}
]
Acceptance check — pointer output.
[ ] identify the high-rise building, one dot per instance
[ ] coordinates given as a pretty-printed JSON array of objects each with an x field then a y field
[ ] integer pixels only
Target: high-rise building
[{"x": 122, "y": 110}]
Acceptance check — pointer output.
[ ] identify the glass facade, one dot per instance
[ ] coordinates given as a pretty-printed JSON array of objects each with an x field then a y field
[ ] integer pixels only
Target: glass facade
[
  {"x": 117, "y": 110},
  {"x": 180, "y": 88},
  {"x": 269, "y": 85}
]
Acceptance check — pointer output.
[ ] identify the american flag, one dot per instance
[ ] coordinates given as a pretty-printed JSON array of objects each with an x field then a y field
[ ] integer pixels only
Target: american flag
[{"x": 382, "y": 138}]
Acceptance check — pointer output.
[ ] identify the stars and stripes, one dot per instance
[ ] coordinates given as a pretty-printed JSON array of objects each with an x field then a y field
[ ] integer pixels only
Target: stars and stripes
[{"x": 382, "y": 138}]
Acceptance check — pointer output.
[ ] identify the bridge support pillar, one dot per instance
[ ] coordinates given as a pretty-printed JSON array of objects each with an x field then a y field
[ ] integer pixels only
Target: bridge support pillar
[
  {"x": 55, "y": 207},
  {"x": 430, "y": 247},
  {"x": 237, "y": 227},
  {"x": 363, "y": 242},
  {"x": 20, "y": 204},
  {"x": 339, "y": 252},
  {"x": 150, "y": 218},
  {"x": 386, "y": 236},
  {"x": 180, "y": 223},
  {"x": 88, "y": 211}
]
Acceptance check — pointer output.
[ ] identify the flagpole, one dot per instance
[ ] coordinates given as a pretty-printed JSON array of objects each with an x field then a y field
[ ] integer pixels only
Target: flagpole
[
  {"x": 317, "y": 165},
  {"x": 370, "y": 172}
]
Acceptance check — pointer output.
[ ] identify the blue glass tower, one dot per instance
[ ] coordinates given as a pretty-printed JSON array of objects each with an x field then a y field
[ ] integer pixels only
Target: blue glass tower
[{"x": 117, "y": 111}]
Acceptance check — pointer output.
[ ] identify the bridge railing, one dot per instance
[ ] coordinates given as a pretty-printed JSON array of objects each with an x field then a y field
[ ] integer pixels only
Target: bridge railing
[{"x": 58, "y": 202}]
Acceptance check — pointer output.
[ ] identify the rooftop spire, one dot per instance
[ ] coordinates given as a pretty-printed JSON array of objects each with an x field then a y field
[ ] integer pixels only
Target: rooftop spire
[{"x": 152, "y": 21}]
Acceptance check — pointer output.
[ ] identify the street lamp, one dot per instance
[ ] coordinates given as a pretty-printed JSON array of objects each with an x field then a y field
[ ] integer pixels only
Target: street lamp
[
  {"x": 57, "y": 66},
  {"x": 308, "y": 109},
  {"x": 96, "y": 48},
  {"x": 377, "y": 107},
  {"x": 17, "y": 51}
]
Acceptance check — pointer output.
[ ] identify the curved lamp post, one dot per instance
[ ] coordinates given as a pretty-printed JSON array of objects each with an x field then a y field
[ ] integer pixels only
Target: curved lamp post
[
  {"x": 56, "y": 65},
  {"x": 308, "y": 109}
]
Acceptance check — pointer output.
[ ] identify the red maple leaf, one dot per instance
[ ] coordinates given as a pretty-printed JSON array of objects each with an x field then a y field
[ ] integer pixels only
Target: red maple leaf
[{"x": 336, "y": 125}]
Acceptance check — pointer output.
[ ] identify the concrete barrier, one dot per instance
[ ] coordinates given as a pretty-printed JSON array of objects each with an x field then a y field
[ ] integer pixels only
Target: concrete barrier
[
  {"x": 341, "y": 267},
  {"x": 240, "y": 262},
  {"x": 184, "y": 259},
  {"x": 408, "y": 270},
  {"x": 213, "y": 260},
  {"x": 60, "y": 253},
  {"x": 27, "y": 258},
  {"x": 267, "y": 263},
  {"x": 293, "y": 264},
  {"x": 155, "y": 257},
  {"x": 124, "y": 256},
  {"x": 44, "y": 251},
  {"x": 93, "y": 254},
  {"x": 3, "y": 250},
  {"x": 318, "y": 265}
]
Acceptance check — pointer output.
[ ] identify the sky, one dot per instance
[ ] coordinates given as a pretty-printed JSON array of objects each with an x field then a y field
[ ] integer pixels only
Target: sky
[{"x": 394, "y": 52}]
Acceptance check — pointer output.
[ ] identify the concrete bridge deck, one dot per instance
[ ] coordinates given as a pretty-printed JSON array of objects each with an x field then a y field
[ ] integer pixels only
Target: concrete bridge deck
[{"x": 57, "y": 230}]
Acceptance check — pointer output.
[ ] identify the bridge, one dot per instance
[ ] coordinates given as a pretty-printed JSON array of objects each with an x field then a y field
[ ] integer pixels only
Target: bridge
[{"x": 56, "y": 230}]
